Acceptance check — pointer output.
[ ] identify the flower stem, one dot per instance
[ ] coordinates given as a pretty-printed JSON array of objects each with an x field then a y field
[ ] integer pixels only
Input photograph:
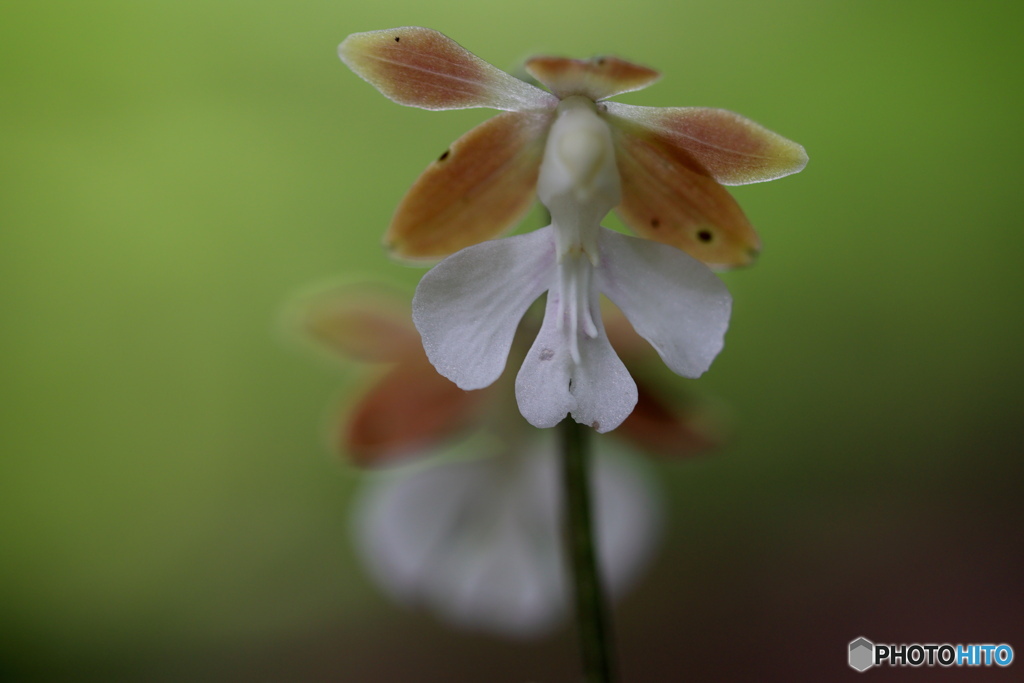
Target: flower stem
[{"x": 592, "y": 618}]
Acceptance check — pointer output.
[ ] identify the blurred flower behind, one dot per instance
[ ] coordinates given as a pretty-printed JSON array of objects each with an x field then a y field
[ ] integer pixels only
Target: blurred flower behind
[
  {"x": 466, "y": 520},
  {"x": 479, "y": 541}
]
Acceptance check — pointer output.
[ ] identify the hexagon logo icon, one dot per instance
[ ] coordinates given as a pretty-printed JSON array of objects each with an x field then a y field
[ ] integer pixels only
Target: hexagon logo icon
[{"x": 862, "y": 654}]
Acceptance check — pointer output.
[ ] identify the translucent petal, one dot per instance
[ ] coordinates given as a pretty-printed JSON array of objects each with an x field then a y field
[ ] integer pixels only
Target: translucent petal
[
  {"x": 468, "y": 306},
  {"x": 475, "y": 191},
  {"x": 734, "y": 150},
  {"x": 668, "y": 197},
  {"x": 673, "y": 301},
  {"x": 597, "y": 391},
  {"x": 360, "y": 322},
  {"x": 595, "y": 78},
  {"x": 407, "y": 411},
  {"x": 420, "y": 67},
  {"x": 479, "y": 541}
]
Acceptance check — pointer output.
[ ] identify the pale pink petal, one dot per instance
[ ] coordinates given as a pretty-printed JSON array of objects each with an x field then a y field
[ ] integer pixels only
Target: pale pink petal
[
  {"x": 732, "y": 149},
  {"x": 420, "y": 67},
  {"x": 668, "y": 197},
  {"x": 595, "y": 78},
  {"x": 476, "y": 189}
]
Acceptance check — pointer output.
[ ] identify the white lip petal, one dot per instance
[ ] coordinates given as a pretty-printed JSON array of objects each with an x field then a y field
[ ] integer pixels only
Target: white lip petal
[
  {"x": 672, "y": 300},
  {"x": 598, "y": 390},
  {"x": 468, "y": 306}
]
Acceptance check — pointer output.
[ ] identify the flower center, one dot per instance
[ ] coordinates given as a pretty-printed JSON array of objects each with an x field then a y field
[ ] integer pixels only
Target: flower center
[
  {"x": 579, "y": 181},
  {"x": 575, "y": 284},
  {"x": 579, "y": 184}
]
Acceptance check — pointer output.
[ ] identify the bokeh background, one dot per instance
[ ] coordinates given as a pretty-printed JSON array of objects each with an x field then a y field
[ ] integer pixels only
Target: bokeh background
[{"x": 174, "y": 172}]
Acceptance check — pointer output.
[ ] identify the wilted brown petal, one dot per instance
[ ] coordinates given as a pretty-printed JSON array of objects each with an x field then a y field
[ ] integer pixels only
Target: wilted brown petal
[
  {"x": 668, "y": 196},
  {"x": 475, "y": 191},
  {"x": 734, "y": 150},
  {"x": 596, "y": 78},
  {"x": 410, "y": 409},
  {"x": 420, "y": 67}
]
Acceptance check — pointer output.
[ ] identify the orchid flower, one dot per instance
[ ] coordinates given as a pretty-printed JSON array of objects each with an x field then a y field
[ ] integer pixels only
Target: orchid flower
[
  {"x": 585, "y": 156},
  {"x": 476, "y": 539},
  {"x": 407, "y": 411}
]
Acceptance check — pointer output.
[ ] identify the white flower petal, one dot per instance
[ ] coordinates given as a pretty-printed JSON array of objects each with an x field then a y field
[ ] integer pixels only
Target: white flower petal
[
  {"x": 468, "y": 306},
  {"x": 672, "y": 300},
  {"x": 476, "y": 541},
  {"x": 627, "y": 515},
  {"x": 479, "y": 542},
  {"x": 597, "y": 391}
]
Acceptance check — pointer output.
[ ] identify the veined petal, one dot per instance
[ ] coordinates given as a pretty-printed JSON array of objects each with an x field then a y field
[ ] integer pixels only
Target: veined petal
[
  {"x": 468, "y": 306},
  {"x": 420, "y": 67},
  {"x": 475, "y": 191},
  {"x": 595, "y": 78},
  {"x": 733, "y": 149},
  {"x": 667, "y": 196},
  {"x": 597, "y": 391},
  {"x": 409, "y": 410},
  {"x": 673, "y": 301}
]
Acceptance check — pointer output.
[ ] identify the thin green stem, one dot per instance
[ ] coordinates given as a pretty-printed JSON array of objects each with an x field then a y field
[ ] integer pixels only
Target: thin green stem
[{"x": 593, "y": 622}]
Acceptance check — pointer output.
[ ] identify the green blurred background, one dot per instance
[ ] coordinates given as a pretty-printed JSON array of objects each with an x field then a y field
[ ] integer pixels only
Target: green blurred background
[{"x": 174, "y": 172}]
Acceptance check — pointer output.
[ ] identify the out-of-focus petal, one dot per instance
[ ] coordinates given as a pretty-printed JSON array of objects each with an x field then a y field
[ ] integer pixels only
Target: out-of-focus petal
[
  {"x": 475, "y": 191},
  {"x": 597, "y": 391},
  {"x": 657, "y": 427},
  {"x": 668, "y": 197},
  {"x": 406, "y": 412},
  {"x": 479, "y": 541},
  {"x": 468, "y": 306},
  {"x": 632, "y": 348},
  {"x": 359, "y": 322},
  {"x": 595, "y": 78},
  {"x": 420, "y": 67},
  {"x": 679, "y": 305},
  {"x": 733, "y": 149}
]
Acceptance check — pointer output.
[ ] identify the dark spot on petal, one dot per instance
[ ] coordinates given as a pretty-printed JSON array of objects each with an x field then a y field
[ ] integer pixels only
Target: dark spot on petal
[
  {"x": 397, "y": 39},
  {"x": 546, "y": 354},
  {"x": 655, "y": 223},
  {"x": 445, "y": 155},
  {"x": 595, "y": 425},
  {"x": 570, "y": 384},
  {"x": 704, "y": 236}
]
